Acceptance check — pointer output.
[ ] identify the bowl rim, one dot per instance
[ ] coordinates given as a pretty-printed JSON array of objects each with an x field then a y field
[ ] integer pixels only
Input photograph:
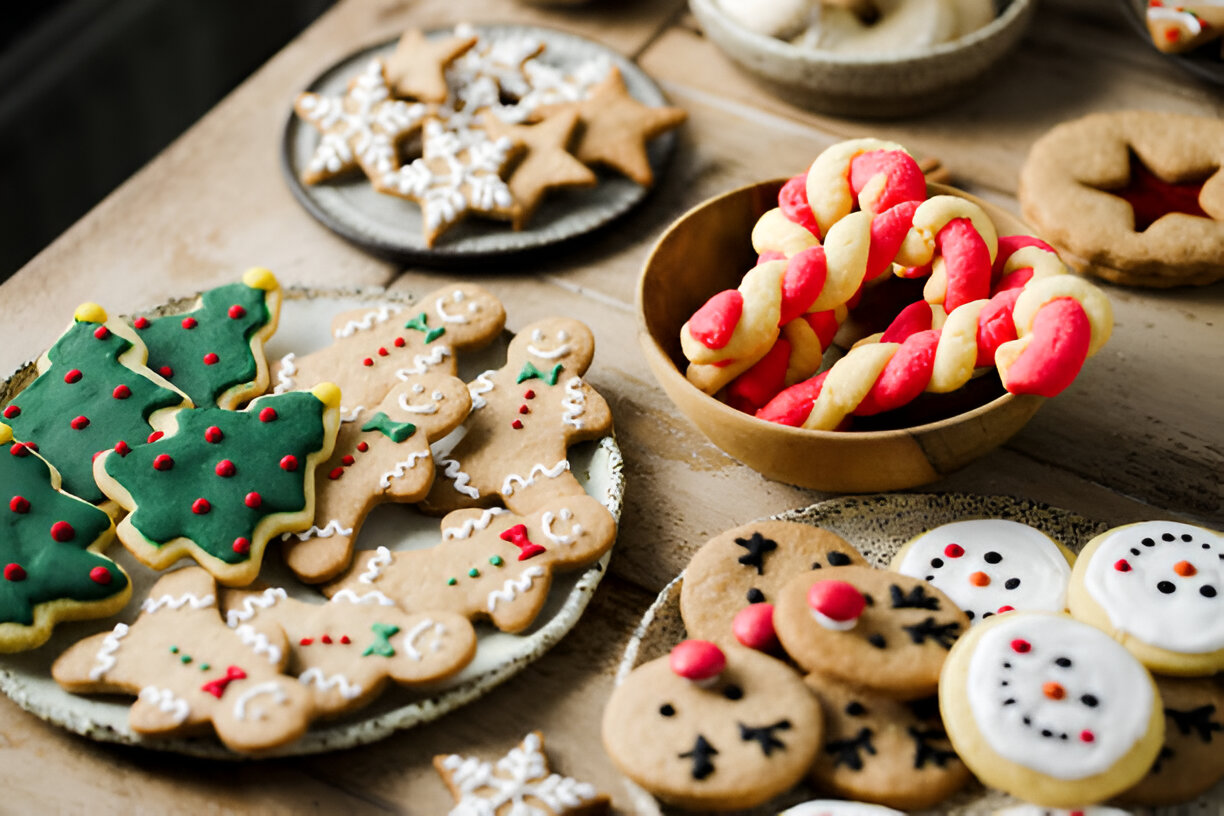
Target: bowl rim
[
  {"x": 1015, "y": 10},
  {"x": 652, "y": 347}
]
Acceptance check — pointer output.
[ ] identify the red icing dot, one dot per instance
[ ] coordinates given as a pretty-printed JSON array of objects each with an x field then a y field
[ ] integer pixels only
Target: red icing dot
[
  {"x": 336, "y": 473},
  {"x": 189, "y": 323},
  {"x": 141, "y": 323},
  {"x": 73, "y": 376},
  {"x": 267, "y": 414},
  {"x": 306, "y": 641},
  {"x": 954, "y": 551},
  {"x": 289, "y": 463},
  {"x": 213, "y": 434},
  {"x": 345, "y": 639},
  {"x": 517, "y": 425},
  {"x": 11, "y": 411},
  {"x": 697, "y": 659},
  {"x": 200, "y": 506},
  {"x": 523, "y": 409},
  {"x": 19, "y": 504},
  {"x": 162, "y": 462},
  {"x": 156, "y": 435},
  {"x": 753, "y": 626},
  {"x": 62, "y": 531},
  {"x": 1006, "y": 608},
  {"x": 225, "y": 468},
  {"x": 100, "y": 575},
  {"x": 326, "y": 638},
  {"x": 242, "y": 545},
  {"x": 529, "y": 395},
  {"x": 1122, "y": 565},
  {"x": 236, "y": 312},
  {"x": 79, "y": 423},
  {"x": 101, "y": 332},
  {"x": 1021, "y": 646},
  {"x": 19, "y": 449},
  {"x": 347, "y": 460},
  {"x": 838, "y": 600},
  {"x": 14, "y": 572},
  {"x": 122, "y": 448},
  {"x": 399, "y": 342},
  {"x": 367, "y": 362},
  {"x": 1087, "y": 736},
  {"x": 382, "y": 351},
  {"x": 166, "y": 371},
  {"x": 253, "y": 500},
  {"x": 121, "y": 392},
  {"x": 363, "y": 446},
  {"x": 211, "y": 359}
]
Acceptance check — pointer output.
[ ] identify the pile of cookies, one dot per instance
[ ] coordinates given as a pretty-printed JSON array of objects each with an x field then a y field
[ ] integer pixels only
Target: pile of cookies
[
  {"x": 897, "y": 686},
  {"x": 143, "y": 421},
  {"x": 858, "y": 218},
  {"x": 471, "y": 123}
]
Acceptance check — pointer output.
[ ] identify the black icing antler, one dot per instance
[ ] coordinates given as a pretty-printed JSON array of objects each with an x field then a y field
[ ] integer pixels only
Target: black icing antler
[
  {"x": 916, "y": 599},
  {"x": 945, "y": 634},
  {"x": 764, "y": 735},
  {"x": 925, "y": 752},
  {"x": 848, "y": 752},
  {"x": 757, "y": 546},
  {"x": 701, "y": 753},
  {"x": 1196, "y": 720}
]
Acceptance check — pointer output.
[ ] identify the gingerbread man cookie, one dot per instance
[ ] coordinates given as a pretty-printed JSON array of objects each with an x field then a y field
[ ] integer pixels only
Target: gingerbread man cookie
[
  {"x": 490, "y": 564},
  {"x": 711, "y": 730},
  {"x": 345, "y": 651},
  {"x": 524, "y": 417},
  {"x": 377, "y": 347},
  {"x": 188, "y": 669},
  {"x": 1190, "y": 762},
  {"x": 386, "y": 458}
]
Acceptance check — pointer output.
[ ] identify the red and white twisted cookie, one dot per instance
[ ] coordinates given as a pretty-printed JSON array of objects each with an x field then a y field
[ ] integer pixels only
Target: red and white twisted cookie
[{"x": 1037, "y": 328}]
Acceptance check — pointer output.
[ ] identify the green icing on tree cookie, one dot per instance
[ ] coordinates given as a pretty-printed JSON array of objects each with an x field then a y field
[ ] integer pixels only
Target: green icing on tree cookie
[
  {"x": 86, "y": 401},
  {"x": 221, "y": 472},
  {"x": 44, "y": 536},
  {"x": 207, "y": 351},
  {"x": 395, "y": 431}
]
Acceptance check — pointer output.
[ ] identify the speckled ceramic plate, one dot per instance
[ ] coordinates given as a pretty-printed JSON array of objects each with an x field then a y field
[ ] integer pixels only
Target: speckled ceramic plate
[
  {"x": 304, "y": 327},
  {"x": 391, "y": 227},
  {"x": 1204, "y": 62},
  {"x": 878, "y": 526}
]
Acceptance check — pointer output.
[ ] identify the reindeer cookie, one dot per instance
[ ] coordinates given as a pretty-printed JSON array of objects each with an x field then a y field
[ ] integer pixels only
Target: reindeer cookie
[
  {"x": 524, "y": 418},
  {"x": 383, "y": 458},
  {"x": 345, "y": 651},
  {"x": 1190, "y": 762},
  {"x": 490, "y": 564},
  {"x": 377, "y": 347},
  {"x": 188, "y": 669}
]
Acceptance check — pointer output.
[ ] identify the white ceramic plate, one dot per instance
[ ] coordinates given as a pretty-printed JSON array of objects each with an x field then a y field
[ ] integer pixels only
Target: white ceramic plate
[
  {"x": 391, "y": 227},
  {"x": 304, "y": 327},
  {"x": 878, "y": 526}
]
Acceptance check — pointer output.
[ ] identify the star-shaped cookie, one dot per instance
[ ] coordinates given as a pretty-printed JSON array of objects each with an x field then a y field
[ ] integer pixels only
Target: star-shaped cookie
[
  {"x": 417, "y": 69},
  {"x": 546, "y": 164}
]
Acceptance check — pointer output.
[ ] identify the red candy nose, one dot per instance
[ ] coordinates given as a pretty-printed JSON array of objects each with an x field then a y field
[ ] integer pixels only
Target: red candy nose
[
  {"x": 753, "y": 627},
  {"x": 697, "y": 660},
  {"x": 838, "y": 601}
]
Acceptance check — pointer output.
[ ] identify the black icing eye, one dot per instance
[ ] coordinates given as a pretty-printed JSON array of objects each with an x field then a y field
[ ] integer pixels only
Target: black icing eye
[
  {"x": 837, "y": 559},
  {"x": 855, "y": 709},
  {"x": 867, "y": 599},
  {"x": 817, "y": 565},
  {"x": 1187, "y": 537},
  {"x": 1207, "y": 591},
  {"x": 992, "y": 557},
  {"x": 667, "y": 710},
  {"x": 1206, "y": 546},
  {"x": 986, "y": 615},
  {"x": 732, "y": 692},
  {"x": 1063, "y": 662},
  {"x": 969, "y": 614},
  {"x": 755, "y": 596},
  {"x": 1089, "y": 700},
  {"x": 1011, "y": 583},
  {"x": 876, "y": 640},
  {"x": 1147, "y": 542},
  {"x": 1169, "y": 537},
  {"x": 1134, "y": 550},
  {"x": 1166, "y": 587},
  {"x": 936, "y": 562}
]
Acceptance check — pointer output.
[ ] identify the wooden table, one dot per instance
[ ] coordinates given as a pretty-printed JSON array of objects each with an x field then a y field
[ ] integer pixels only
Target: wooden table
[{"x": 1137, "y": 436}]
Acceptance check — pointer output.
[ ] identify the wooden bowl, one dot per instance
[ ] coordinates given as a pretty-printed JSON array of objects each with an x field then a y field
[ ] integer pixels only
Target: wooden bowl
[{"x": 708, "y": 249}]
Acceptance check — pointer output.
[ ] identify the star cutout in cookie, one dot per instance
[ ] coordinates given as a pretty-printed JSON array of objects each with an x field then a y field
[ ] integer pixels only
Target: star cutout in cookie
[
  {"x": 546, "y": 165},
  {"x": 521, "y": 780},
  {"x": 616, "y": 128},
  {"x": 1152, "y": 198},
  {"x": 363, "y": 128},
  {"x": 417, "y": 69}
]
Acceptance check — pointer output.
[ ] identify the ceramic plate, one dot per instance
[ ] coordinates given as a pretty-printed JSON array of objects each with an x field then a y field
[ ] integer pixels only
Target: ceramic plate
[
  {"x": 1204, "y": 62},
  {"x": 878, "y": 526},
  {"x": 391, "y": 227},
  {"x": 304, "y": 327}
]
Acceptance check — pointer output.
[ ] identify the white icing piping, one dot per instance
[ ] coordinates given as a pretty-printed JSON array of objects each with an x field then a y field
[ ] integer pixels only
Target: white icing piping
[
  {"x": 480, "y": 386},
  {"x": 368, "y": 320},
  {"x": 559, "y": 351},
  {"x": 410, "y": 649},
  {"x": 265, "y": 600},
  {"x": 167, "y": 702},
  {"x": 105, "y": 659},
  {"x": 451, "y": 471},
  {"x": 422, "y": 362},
  {"x": 258, "y": 643},
  {"x": 565, "y": 515},
  {"x": 373, "y": 596},
  {"x": 429, "y": 408},
  {"x": 314, "y": 676},
  {"x": 514, "y": 481},
  {"x": 513, "y": 587},
  {"x": 1192, "y": 24},
  {"x": 270, "y": 688},
  {"x": 350, "y": 416},
  {"x": 574, "y": 403},
  {"x": 284, "y": 374},
  {"x": 458, "y": 297},
  {"x": 401, "y": 468},
  {"x": 333, "y": 528},
  {"x": 472, "y": 525},
  {"x": 380, "y": 559},
  {"x": 195, "y": 601}
]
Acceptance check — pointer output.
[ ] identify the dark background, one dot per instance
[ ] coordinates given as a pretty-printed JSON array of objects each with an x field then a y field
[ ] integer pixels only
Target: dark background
[{"x": 90, "y": 90}]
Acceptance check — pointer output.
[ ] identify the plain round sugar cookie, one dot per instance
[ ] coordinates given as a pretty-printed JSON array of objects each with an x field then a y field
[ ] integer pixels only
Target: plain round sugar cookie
[
  {"x": 873, "y": 628},
  {"x": 838, "y": 807},
  {"x": 749, "y": 565},
  {"x": 1156, "y": 587},
  {"x": 988, "y": 566},
  {"x": 1050, "y": 709},
  {"x": 1190, "y": 761},
  {"x": 712, "y": 730},
  {"x": 882, "y": 750}
]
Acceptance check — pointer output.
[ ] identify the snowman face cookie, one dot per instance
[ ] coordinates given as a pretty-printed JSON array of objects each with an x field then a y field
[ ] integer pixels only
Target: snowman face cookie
[
  {"x": 987, "y": 566},
  {"x": 1157, "y": 586},
  {"x": 1050, "y": 709}
]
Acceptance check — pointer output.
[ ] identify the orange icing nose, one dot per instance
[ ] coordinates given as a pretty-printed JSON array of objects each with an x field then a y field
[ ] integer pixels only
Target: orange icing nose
[
  {"x": 1053, "y": 690},
  {"x": 1184, "y": 568},
  {"x": 979, "y": 579}
]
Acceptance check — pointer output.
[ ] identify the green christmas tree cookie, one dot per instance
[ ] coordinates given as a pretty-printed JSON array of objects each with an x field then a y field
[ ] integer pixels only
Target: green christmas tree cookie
[
  {"x": 51, "y": 568},
  {"x": 214, "y": 353},
  {"x": 221, "y": 483},
  {"x": 93, "y": 393}
]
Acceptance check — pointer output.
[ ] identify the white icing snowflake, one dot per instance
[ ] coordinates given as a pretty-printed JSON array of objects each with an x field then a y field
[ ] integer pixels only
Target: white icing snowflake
[
  {"x": 500, "y": 59},
  {"x": 362, "y": 127},
  {"x": 520, "y": 780},
  {"x": 551, "y": 85}
]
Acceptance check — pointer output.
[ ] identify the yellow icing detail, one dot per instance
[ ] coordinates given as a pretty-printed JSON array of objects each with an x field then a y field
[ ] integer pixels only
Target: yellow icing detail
[
  {"x": 328, "y": 394},
  {"x": 6, "y": 434},
  {"x": 89, "y": 313},
  {"x": 259, "y": 278}
]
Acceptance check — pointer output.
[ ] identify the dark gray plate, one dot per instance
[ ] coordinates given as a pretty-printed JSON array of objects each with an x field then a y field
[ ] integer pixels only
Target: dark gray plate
[
  {"x": 1204, "y": 62},
  {"x": 391, "y": 227}
]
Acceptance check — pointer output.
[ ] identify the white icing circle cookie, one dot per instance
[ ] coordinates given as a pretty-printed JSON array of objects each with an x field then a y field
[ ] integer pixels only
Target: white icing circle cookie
[
  {"x": 987, "y": 566},
  {"x": 1035, "y": 810},
  {"x": 838, "y": 807}
]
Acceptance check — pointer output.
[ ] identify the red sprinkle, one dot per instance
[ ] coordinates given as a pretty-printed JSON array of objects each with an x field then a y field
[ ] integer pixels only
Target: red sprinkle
[
  {"x": 954, "y": 551},
  {"x": 289, "y": 463},
  {"x": 1021, "y": 646},
  {"x": 166, "y": 371},
  {"x": 213, "y": 434},
  {"x": 73, "y": 376},
  {"x": 225, "y": 468},
  {"x": 14, "y": 572},
  {"x": 122, "y": 448},
  {"x": 1122, "y": 565},
  {"x": 242, "y": 545},
  {"x": 11, "y": 411},
  {"x": 697, "y": 660},
  {"x": 80, "y": 423},
  {"x": 236, "y": 312},
  {"x": 382, "y": 351},
  {"x": 253, "y": 500},
  {"x": 345, "y": 639},
  {"x": 18, "y": 449},
  {"x": 189, "y": 323},
  {"x": 19, "y": 504},
  {"x": 100, "y": 575},
  {"x": 141, "y": 323},
  {"x": 326, "y": 639},
  {"x": 121, "y": 392},
  {"x": 156, "y": 435},
  {"x": 62, "y": 531},
  {"x": 1087, "y": 736},
  {"x": 523, "y": 409},
  {"x": 306, "y": 641},
  {"x": 363, "y": 446},
  {"x": 399, "y": 342},
  {"x": 517, "y": 425},
  {"x": 1006, "y": 608},
  {"x": 200, "y": 506},
  {"x": 267, "y": 415},
  {"x": 347, "y": 460},
  {"x": 101, "y": 332},
  {"x": 529, "y": 395},
  {"x": 211, "y": 359},
  {"x": 336, "y": 473},
  {"x": 162, "y": 462},
  {"x": 367, "y": 362}
]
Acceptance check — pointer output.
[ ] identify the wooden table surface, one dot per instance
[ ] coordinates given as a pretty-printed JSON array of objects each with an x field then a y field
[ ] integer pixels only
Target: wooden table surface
[{"x": 1137, "y": 436}]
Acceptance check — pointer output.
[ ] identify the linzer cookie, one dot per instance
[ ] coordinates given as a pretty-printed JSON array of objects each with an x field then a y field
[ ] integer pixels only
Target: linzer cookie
[
  {"x": 708, "y": 729},
  {"x": 1135, "y": 197},
  {"x": 51, "y": 549}
]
